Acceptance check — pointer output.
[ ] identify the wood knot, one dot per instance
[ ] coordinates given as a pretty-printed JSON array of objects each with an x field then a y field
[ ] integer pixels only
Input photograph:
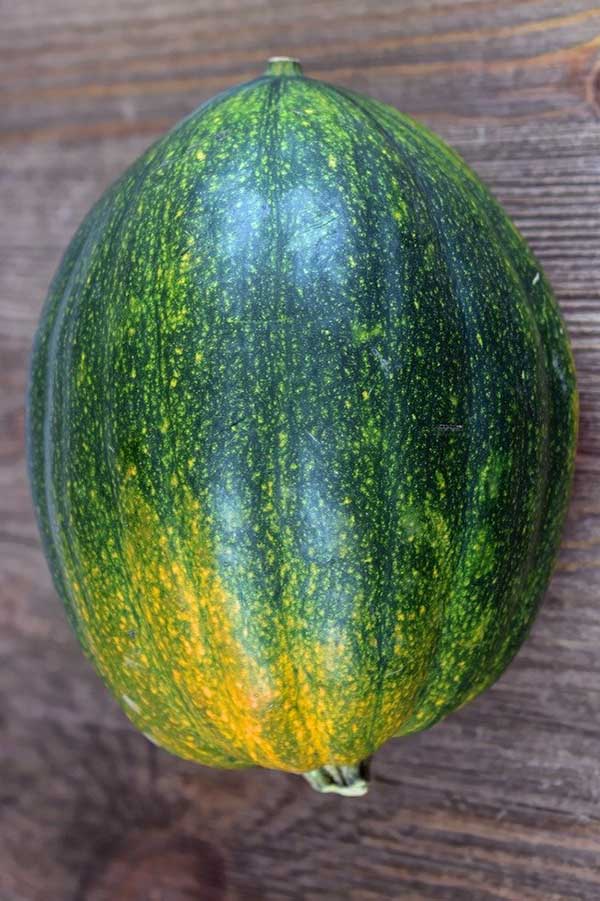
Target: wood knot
[{"x": 148, "y": 867}]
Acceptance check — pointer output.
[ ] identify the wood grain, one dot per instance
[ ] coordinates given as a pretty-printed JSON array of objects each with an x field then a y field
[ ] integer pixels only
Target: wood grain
[{"x": 501, "y": 801}]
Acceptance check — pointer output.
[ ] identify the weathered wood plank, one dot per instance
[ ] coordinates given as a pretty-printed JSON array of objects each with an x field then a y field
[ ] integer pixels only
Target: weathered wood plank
[{"x": 501, "y": 801}]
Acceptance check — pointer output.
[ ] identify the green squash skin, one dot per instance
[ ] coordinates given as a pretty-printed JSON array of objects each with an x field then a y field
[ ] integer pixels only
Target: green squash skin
[{"x": 301, "y": 430}]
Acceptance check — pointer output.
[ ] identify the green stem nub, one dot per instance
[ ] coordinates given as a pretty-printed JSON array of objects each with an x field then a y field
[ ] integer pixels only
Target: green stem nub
[
  {"x": 351, "y": 781},
  {"x": 283, "y": 65}
]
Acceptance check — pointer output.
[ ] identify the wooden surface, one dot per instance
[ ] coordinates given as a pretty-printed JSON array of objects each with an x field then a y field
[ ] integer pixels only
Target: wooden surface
[{"x": 502, "y": 800}]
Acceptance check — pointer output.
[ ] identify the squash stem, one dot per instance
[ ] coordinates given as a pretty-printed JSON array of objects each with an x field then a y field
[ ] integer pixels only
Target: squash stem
[
  {"x": 283, "y": 65},
  {"x": 351, "y": 781}
]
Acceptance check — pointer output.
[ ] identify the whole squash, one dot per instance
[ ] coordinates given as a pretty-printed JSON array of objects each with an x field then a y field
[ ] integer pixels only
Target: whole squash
[{"x": 301, "y": 423}]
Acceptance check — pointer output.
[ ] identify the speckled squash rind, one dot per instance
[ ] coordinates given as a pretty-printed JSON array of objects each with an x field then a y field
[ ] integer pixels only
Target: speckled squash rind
[{"x": 301, "y": 425}]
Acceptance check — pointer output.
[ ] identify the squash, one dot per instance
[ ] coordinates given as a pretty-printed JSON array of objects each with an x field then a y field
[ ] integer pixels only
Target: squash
[{"x": 301, "y": 431}]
